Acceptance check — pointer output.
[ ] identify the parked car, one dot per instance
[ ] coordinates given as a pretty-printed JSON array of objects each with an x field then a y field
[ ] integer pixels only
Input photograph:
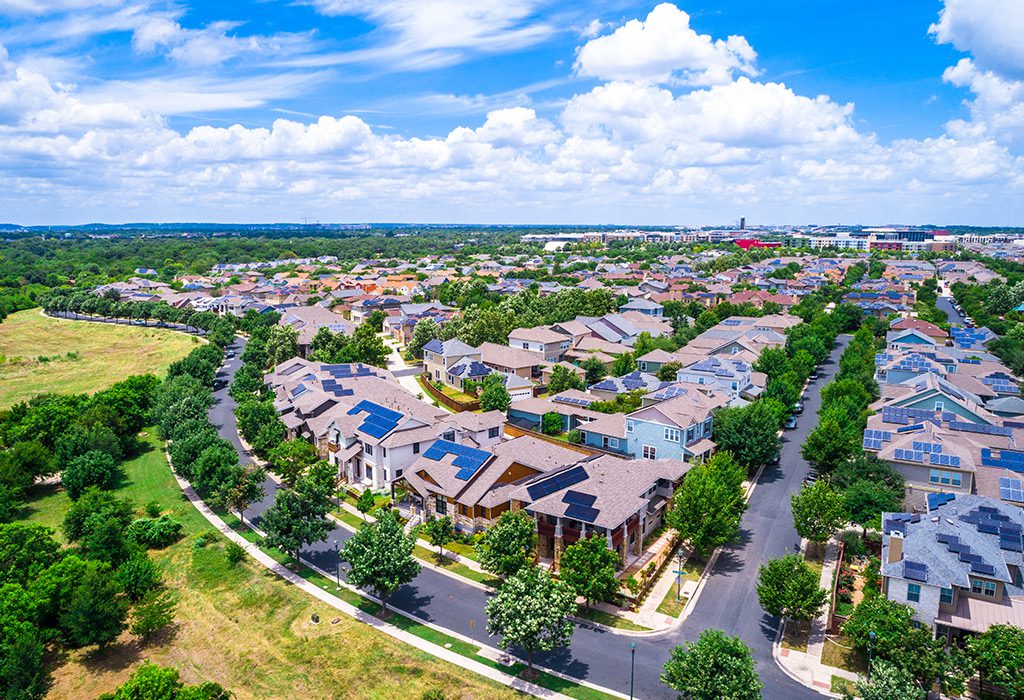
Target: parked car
[
  {"x": 790, "y": 423},
  {"x": 813, "y": 376},
  {"x": 812, "y": 476},
  {"x": 798, "y": 407}
]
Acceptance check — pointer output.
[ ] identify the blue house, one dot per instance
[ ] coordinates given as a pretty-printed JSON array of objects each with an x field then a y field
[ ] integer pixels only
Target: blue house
[{"x": 679, "y": 428}]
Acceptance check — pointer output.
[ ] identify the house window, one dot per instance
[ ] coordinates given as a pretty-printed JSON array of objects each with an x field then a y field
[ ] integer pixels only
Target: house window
[
  {"x": 398, "y": 474},
  {"x": 985, "y": 588},
  {"x": 415, "y": 448},
  {"x": 449, "y": 436},
  {"x": 643, "y": 366},
  {"x": 650, "y": 452},
  {"x": 990, "y": 589},
  {"x": 629, "y": 426},
  {"x": 939, "y": 405},
  {"x": 383, "y": 452},
  {"x": 441, "y": 505},
  {"x": 613, "y": 443},
  {"x": 913, "y": 593},
  {"x": 672, "y": 434},
  {"x": 937, "y": 476},
  {"x": 691, "y": 433},
  {"x": 368, "y": 449},
  {"x": 946, "y": 596},
  {"x": 526, "y": 346},
  {"x": 493, "y": 432}
]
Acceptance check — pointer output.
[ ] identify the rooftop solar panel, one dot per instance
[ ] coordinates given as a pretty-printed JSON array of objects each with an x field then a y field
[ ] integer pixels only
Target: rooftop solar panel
[
  {"x": 577, "y": 498},
  {"x": 915, "y": 571},
  {"x": 584, "y": 513},
  {"x": 983, "y": 569},
  {"x": 376, "y": 431},
  {"x": 557, "y": 482}
]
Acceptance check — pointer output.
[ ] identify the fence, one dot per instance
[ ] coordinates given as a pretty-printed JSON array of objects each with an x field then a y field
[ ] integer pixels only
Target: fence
[
  {"x": 835, "y": 622},
  {"x": 517, "y": 431},
  {"x": 448, "y": 401}
]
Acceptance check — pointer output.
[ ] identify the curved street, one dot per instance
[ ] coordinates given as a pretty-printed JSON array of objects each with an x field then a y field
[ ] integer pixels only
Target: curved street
[{"x": 601, "y": 656}]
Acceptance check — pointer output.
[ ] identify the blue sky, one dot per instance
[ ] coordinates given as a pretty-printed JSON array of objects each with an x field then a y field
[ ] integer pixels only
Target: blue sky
[{"x": 512, "y": 111}]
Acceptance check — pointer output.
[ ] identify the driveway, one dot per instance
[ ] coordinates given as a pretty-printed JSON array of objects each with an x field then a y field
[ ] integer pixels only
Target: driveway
[{"x": 728, "y": 601}]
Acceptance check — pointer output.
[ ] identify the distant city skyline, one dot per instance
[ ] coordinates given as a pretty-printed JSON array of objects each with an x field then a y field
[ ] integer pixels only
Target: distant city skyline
[{"x": 512, "y": 111}]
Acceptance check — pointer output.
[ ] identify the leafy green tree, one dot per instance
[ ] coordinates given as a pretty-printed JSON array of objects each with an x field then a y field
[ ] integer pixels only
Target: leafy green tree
[
  {"x": 252, "y": 416},
  {"x": 888, "y": 682},
  {"x": 788, "y": 587},
  {"x": 624, "y": 364},
  {"x": 588, "y": 568},
  {"x": 507, "y": 546},
  {"x": 242, "y": 487},
  {"x": 95, "y": 506},
  {"x": 152, "y": 682},
  {"x": 366, "y": 502},
  {"x": 298, "y": 517},
  {"x": 153, "y": 613},
  {"x": 562, "y": 379},
  {"x": 94, "y": 468},
  {"x": 997, "y": 653},
  {"x": 750, "y": 432},
  {"x": 25, "y": 551},
  {"x": 138, "y": 576},
  {"x": 867, "y": 500},
  {"x": 195, "y": 439},
  {"x": 595, "y": 369},
  {"x": 551, "y": 423},
  {"x": 214, "y": 466},
  {"x": 96, "y": 611},
  {"x": 495, "y": 396},
  {"x": 709, "y": 504},
  {"x": 819, "y": 511},
  {"x": 827, "y": 446},
  {"x": 366, "y": 346},
  {"x": 282, "y": 344},
  {"x": 23, "y": 675},
  {"x": 715, "y": 666},
  {"x": 292, "y": 458},
  {"x": 531, "y": 611},
  {"x": 24, "y": 462},
  {"x": 380, "y": 555},
  {"x": 440, "y": 532},
  {"x": 423, "y": 332},
  {"x": 667, "y": 372},
  {"x": 81, "y": 439}
]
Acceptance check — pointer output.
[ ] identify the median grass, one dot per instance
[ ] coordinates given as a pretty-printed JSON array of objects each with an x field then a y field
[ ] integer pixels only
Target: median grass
[
  {"x": 244, "y": 627},
  {"x": 39, "y": 354}
]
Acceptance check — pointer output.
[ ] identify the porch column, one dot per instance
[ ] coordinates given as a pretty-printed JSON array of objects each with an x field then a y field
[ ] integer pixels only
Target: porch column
[
  {"x": 583, "y": 531},
  {"x": 557, "y": 554},
  {"x": 624, "y": 551}
]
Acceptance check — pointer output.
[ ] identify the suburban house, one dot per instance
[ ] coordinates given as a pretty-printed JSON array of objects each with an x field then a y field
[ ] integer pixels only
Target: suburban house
[
  {"x": 509, "y": 360},
  {"x": 678, "y": 428},
  {"x": 644, "y": 306},
  {"x": 307, "y": 320},
  {"x": 610, "y": 387},
  {"x": 959, "y": 566},
  {"x": 547, "y": 344},
  {"x": 440, "y": 356},
  {"x": 729, "y": 375}
]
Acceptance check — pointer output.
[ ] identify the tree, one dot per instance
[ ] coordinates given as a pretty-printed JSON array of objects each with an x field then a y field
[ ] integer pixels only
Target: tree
[
  {"x": 94, "y": 468},
  {"x": 153, "y": 613},
  {"x": 750, "y": 433},
  {"x": 23, "y": 675},
  {"x": 298, "y": 517},
  {"x": 366, "y": 502},
  {"x": 788, "y": 587},
  {"x": 624, "y": 364},
  {"x": 495, "y": 396},
  {"x": 562, "y": 378},
  {"x": 551, "y": 423},
  {"x": 867, "y": 500},
  {"x": 242, "y": 488},
  {"x": 531, "y": 611},
  {"x": 282, "y": 344},
  {"x": 507, "y": 545},
  {"x": 214, "y": 466},
  {"x": 715, "y": 666},
  {"x": 888, "y": 682},
  {"x": 138, "y": 576},
  {"x": 423, "y": 332},
  {"x": 366, "y": 346},
  {"x": 588, "y": 568},
  {"x": 380, "y": 555},
  {"x": 291, "y": 458},
  {"x": 708, "y": 506},
  {"x": 96, "y": 612},
  {"x": 668, "y": 371},
  {"x": 440, "y": 532},
  {"x": 95, "y": 506},
  {"x": 595, "y": 369},
  {"x": 997, "y": 653},
  {"x": 827, "y": 446},
  {"x": 152, "y": 682},
  {"x": 818, "y": 511},
  {"x": 25, "y": 551}
]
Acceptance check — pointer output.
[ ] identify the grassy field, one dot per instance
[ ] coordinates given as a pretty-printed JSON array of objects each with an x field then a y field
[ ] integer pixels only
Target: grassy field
[
  {"x": 244, "y": 627},
  {"x": 106, "y": 354}
]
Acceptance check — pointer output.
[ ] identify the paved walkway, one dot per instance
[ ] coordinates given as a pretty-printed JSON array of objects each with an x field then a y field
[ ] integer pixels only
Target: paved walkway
[
  {"x": 648, "y": 614},
  {"x": 806, "y": 667},
  {"x": 291, "y": 577}
]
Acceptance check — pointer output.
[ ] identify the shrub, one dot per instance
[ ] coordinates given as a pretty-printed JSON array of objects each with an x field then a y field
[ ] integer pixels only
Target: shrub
[
  {"x": 854, "y": 545},
  {"x": 155, "y": 533},
  {"x": 153, "y": 509},
  {"x": 234, "y": 552}
]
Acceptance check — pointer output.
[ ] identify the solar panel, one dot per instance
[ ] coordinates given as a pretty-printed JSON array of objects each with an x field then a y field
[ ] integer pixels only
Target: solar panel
[
  {"x": 577, "y": 498},
  {"x": 947, "y": 539},
  {"x": 983, "y": 569},
  {"x": 376, "y": 431},
  {"x": 915, "y": 571},
  {"x": 927, "y": 447},
  {"x": 871, "y": 444},
  {"x": 557, "y": 482},
  {"x": 1011, "y": 544},
  {"x": 584, "y": 513}
]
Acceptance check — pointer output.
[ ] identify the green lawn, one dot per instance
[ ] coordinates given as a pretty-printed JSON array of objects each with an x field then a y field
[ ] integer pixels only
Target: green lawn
[
  {"x": 669, "y": 605},
  {"x": 106, "y": 354},
  {"x": 604, "y": 618}
]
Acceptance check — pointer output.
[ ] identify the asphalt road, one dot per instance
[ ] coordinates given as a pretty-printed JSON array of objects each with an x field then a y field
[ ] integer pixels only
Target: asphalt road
[
  {"x": 728, "y": 601},
  {"x": 945, "y": 305}
]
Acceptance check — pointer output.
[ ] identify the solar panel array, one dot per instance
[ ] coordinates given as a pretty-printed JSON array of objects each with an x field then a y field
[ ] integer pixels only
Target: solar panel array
[
  {"x": 929, "y": 447},
  {"x": 348, "y": 371},
  {"x": 903, "y": 416},
  {"x": 944, "y": 460},
  {"x": 573, "y": 400},
  {"x": 331, "y": 386},
  {"x": 882, "y": 358},
  {"x": 467, "y": 459},
  {"x": 1010, "y": 490},
  {"x": 731, "y": 322},
  {"x": 909, "y": 455},
  {"x": 910, "y": 428},
  {"x": 1006, "y": 459},
  {"x": 557, "y": 482},
  {"x": 939, "y": 499},
  {"x": 981, "y": 428},
  {"x": 873, "y": 439},
  {"x": 915, "y": 571},
  {"x": 670, "y": 392},
  {"x": 379, "y": 420},
  {"x": 990, "y": 521}
]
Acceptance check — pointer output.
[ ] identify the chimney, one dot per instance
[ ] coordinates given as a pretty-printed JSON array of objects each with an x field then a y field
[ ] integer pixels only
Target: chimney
[{"x": 895, "y": 549}]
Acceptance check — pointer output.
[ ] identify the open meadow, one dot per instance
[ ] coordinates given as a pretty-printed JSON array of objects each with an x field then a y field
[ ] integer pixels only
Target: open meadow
[{"x": 39, "y": 354}]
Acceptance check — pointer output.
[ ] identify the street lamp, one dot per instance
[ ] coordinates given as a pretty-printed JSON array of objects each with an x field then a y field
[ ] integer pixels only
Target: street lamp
[
  {"x": 632, "y": 664},
  {"x": 871, "y": 646}
]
